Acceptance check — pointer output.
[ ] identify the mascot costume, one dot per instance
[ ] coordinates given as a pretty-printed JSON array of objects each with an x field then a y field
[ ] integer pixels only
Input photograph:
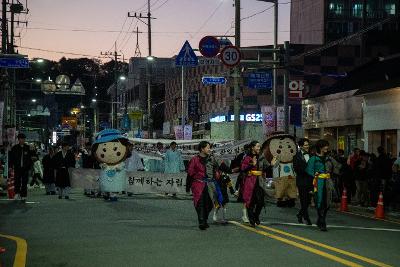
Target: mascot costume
[
  {"x": 111, "y": 149},
  {"x": 281, "y": 148}
]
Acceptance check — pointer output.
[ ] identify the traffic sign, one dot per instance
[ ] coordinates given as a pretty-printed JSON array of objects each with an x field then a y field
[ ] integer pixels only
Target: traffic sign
[
  {"x": 211, "y": 61},
  {"x": 230, "y": 56},
  {"x": 210, "y": 80},
  {"x": 14, "y": 63},
  {"x": 209, "y": 46},
  {"x": 260, "y": 80},
  {"x": 186, "y": 56}
]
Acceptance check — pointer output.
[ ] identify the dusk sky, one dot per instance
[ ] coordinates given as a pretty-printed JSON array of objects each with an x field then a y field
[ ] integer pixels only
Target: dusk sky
[{"x": 88, "y": 27}]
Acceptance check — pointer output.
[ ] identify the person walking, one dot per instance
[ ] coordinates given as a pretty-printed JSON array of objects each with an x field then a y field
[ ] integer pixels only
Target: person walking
[
  {"x": 201, "y": 176},
  {"x": 37, "y": 173},
  {"x": 21, "y": 161},
  {"x": 63, "y": 160},
  {"x": 173, "y": 162},
  {"x": 303, "y": 180},
  {"x": 48, "y": 172},
  {"x": 253, "y": 193},
  {"x": 323, "y": 185}
]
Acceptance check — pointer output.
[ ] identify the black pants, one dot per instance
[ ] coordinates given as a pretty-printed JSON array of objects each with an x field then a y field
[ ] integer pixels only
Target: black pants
[
  {"x": 21, "y": 182},
  {"x": 256, "y": 204},
  {"x": 204, "y": 206},
  {"x": 305, "y": 199},
  {"x": 35, "y": 179},
  {"x": 322, "y": 210}
]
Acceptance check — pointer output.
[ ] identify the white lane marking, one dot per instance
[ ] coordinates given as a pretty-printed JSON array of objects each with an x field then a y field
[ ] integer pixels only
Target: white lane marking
[
  {"x": 336, "y": 226},
  {"x": 18, "y": 200},
  {"x": 129, "y": 221}
]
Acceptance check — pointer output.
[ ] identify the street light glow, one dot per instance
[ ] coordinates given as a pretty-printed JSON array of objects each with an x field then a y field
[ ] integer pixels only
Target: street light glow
[
  {"x": 122, "y": 78},
  {"x": 38, "y": 80},
  {"x": 94, "y": 100},
  {"x": 82, "y": 106},
  {"x": 40, "y": 60},
  {"x": 29, "y": 115},
  {"x": 150, "y": 58},
  {"x": 34, "y": 100}
]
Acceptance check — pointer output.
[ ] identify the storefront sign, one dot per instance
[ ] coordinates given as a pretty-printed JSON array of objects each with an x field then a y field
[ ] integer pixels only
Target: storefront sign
[
  {"x": 280, "y": 119},
  {"x": 250, "y": 117},
  {"x": 268, "y": 113}
]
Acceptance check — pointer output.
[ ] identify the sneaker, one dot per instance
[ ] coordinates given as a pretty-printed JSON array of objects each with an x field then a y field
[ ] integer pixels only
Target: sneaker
[
  {"x": 215, "y": 217},
  {"x": 245, "y": 219}
]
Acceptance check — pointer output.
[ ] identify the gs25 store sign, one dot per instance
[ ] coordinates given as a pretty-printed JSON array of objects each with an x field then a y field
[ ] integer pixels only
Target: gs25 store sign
[{"x": 255, "y": 117}]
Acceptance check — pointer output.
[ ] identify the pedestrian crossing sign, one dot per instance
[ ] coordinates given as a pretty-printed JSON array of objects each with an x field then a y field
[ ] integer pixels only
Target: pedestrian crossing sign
[{"x": 186, "y": 56}]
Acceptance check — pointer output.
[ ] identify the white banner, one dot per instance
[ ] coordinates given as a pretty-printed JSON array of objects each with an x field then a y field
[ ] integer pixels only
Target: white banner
[
  {"x": 1, "y": 122},
  {"x": 136, "y": 182}
]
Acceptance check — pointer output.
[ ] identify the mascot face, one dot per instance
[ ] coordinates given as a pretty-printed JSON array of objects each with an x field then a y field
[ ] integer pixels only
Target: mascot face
[
  {"x": 110, "y": 147},
  {"x": 283, "y": 147},
  {"x": 111, "y": 153}
]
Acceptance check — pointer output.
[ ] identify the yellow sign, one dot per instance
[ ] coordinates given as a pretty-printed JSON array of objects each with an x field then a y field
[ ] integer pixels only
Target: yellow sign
[
  {"x": 341, "y": 142},
  {"x": 135, "y": 115}
]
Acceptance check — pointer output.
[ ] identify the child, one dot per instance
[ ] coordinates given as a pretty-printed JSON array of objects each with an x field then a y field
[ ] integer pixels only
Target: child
[
  {"x": 37, "y": 171},
  {"x": 224, "y": 183}
]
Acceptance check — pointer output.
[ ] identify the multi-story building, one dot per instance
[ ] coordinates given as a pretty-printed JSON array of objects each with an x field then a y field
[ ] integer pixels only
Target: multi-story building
[
  {"x": 134, "y": 97},
  {"x": 322, "y": 21}
]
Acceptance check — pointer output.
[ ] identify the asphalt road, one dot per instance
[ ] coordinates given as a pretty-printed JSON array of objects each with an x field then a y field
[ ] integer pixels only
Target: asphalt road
[{"x": 154, "y": 230}]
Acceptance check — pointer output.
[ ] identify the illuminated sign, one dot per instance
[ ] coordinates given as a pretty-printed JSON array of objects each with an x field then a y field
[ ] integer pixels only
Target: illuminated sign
[{"x": 251, "y": 117}]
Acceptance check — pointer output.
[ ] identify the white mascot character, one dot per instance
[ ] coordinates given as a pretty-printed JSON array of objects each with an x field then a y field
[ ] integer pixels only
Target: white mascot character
[
  {"x": 111, "y": 149},
  {"x": 281, "y": 148}
]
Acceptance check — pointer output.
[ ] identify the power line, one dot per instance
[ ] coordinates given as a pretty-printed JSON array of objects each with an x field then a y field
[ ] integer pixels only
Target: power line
[
  {"x": 157, "y": 8},
  {"x": 58, "y": 52},
  {"x": 208, "y": 19},
  {"x": 257, "y": 13}
]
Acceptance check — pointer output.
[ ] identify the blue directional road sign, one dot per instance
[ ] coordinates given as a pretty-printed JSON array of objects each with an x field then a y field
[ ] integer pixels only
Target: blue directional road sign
[
  {"x": 14, "y": 63},
  {"x": 260, "y": 80},
  {"x": 186, "y": 56},
  {"x": 210, "y": 80}
]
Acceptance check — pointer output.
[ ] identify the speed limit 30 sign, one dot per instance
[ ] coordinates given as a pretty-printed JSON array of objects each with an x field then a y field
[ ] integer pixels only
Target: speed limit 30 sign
[{"x": 230, "y": 56}]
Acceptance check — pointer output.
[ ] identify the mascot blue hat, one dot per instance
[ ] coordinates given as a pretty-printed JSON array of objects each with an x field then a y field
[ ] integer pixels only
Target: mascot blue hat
[{"x": 108, "y": 135}]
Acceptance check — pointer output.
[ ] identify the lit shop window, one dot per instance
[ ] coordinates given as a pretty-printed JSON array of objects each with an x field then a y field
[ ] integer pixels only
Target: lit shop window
[
  {"x": 390, "y": 9},
  {"x": 357, "y": 10},
  {"x": 336, "y": 8}
]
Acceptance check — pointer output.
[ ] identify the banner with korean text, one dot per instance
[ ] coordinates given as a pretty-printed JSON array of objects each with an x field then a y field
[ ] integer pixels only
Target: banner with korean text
[{"x": 136, "y": 182}]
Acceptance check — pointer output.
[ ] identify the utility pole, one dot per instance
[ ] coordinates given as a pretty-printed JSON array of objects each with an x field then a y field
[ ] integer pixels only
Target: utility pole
[
  {"x": 148, "y": 68},
  {"x": 236, "y": 77},
  {"x": 286, "y": 78},
  {"x": 114, "y": 107}
]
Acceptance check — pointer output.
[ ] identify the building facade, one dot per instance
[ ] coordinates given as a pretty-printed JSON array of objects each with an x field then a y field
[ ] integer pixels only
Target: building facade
[{"x": 322, "y": 21}]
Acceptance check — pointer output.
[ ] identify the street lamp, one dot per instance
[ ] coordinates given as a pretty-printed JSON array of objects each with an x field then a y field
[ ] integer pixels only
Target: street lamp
[
  {"x": 122, "y": 78},
  {"x": 150, "y": 59},
  {"x": 33, "y": 100}
]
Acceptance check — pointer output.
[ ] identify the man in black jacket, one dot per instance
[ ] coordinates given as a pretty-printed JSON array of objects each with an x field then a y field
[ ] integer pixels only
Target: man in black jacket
[
  {"x": 303, "y": 180},
  {"x": 21, "y": 161}
]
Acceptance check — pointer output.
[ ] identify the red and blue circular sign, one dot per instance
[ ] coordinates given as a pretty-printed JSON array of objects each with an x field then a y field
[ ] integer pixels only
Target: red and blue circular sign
[{"x": 209, "y": 46}]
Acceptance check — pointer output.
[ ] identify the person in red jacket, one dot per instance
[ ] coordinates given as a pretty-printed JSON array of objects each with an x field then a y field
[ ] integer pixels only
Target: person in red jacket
[
  {"x": 202, "y": 172},
  {"x": 253, "y": 194}
]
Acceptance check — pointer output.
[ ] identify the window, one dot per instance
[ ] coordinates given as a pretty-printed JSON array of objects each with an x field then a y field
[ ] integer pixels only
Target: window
[
  {"x": 390, "y": 9},
  {"x": 336, "y": 8},
  {"x": 357, "y": 10}
]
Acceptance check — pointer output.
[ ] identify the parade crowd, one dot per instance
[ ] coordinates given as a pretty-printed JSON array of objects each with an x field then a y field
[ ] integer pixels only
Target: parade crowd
[{"x": 312, "y": 173}]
